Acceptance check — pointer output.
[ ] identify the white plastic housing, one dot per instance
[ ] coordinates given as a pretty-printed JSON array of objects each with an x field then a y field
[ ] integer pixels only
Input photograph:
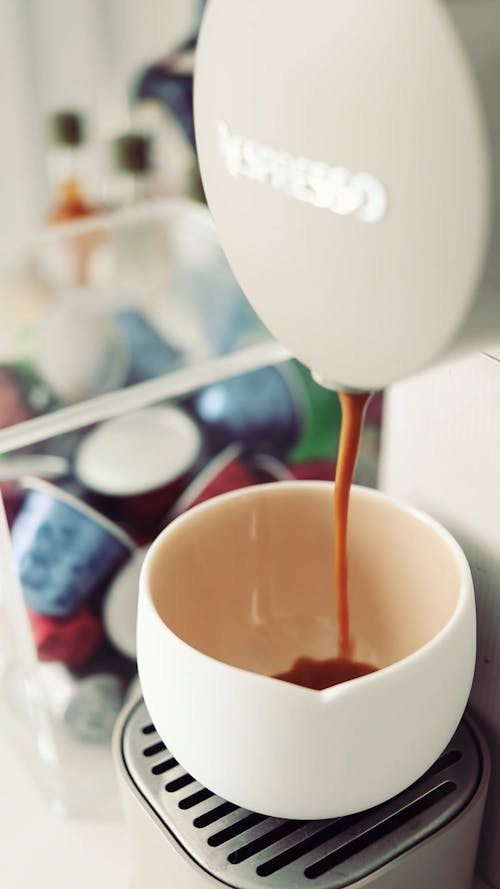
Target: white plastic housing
[
  {"x": 349, "y": 154},
  {"x": 441, "y": 449}
]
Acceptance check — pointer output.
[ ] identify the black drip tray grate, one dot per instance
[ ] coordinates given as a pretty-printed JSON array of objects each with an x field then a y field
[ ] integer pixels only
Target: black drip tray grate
[{"x": 245, "y": 849}]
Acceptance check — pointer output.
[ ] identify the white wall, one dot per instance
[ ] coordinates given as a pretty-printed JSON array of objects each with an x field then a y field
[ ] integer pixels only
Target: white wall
[
  {"x": 21, "y": 163},
  {"x": 70, "y": 53}
]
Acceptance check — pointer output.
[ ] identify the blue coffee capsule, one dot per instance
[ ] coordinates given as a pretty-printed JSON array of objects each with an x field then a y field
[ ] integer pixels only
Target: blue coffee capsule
[
  {"x": 150, "y": 354},
  {"x": 63, "y": 550},
  {"x": 261, "y": 408}
]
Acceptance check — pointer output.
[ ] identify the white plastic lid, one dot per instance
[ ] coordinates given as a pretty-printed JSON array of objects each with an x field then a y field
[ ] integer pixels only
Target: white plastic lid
[
  {"x": 138, "y": 452},
  {"x": 120, "y": 605}
]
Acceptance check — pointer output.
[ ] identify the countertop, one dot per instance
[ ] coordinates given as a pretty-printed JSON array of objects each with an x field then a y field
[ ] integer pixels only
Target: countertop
[{"x": 39, "y": 849}]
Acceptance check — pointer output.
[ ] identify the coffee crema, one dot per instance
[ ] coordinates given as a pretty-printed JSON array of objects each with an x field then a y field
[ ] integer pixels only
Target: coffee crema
[{"x": 310, "y": 673}]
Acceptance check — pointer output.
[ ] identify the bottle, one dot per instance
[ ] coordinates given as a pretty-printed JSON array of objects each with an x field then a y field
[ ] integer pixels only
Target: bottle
[
  {"x": 133, "y": 164},
  {"x": 66, "y": 168},
  {"x": 66, "y": 260}
]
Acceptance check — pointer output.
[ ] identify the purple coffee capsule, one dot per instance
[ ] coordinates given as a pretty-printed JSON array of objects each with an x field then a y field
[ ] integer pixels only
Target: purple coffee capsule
[{"x": 261, "y": 408}]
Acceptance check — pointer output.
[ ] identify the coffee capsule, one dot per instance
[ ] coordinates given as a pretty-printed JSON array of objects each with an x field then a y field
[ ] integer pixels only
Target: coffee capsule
[
  {"x": 91, "y": 712},
  {"x": 120, "y": 606},
  {"x": 70, "y": 640},
  {"x": 279, "y": 408},
  {"x": 79, "y": 351},
  {"x": 150, "y": 353},
  {"x": 257, "y": 409},
  {"x": 87, "y": 708},
  {"x": 63, "y": 550},
  {"x": 136, "y": 465}
]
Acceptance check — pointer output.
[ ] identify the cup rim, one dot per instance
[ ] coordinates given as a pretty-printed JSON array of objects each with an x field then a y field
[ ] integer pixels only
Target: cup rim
[
  {"x": 179, "y": 417},
  {"x": 31, "y": 483},
  {"x": 326, "y": 694}
]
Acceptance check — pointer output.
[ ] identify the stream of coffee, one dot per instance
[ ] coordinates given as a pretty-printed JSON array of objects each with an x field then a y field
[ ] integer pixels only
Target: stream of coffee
[
  {"x": 353, "y": 406},
  {"x": 320, "y": 674}
]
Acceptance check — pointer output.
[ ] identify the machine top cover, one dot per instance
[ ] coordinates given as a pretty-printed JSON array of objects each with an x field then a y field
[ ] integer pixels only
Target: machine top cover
[{"x": 343, "y": 153}]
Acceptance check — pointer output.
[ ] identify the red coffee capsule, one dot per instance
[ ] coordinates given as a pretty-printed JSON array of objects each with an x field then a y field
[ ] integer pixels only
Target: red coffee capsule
[
  {"x": 225, "y": 472},
  {"x": 314, "y": 470},
  {"x": 69, "y": 640},
  {"x": 135, "y": 466},
  {"x": 235, "y": 475}
]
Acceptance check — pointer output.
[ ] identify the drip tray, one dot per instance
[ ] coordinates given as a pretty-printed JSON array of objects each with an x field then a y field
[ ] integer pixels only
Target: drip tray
[{"x": 242, "y": 848}]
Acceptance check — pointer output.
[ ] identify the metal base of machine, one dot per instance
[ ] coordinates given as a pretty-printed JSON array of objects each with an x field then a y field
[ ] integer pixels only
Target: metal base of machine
[{"x": 185, "y": 836}]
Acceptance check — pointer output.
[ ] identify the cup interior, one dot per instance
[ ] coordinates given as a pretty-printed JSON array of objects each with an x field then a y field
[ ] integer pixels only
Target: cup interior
[{"x": 247, "y": 578}]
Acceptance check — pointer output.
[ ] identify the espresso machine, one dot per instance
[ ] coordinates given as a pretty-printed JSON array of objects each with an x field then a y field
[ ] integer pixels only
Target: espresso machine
[{"x": 350, "y": 155}]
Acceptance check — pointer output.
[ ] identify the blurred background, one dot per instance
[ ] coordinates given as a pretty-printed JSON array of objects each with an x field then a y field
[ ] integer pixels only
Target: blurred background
[{"x": 107, "y": 62}]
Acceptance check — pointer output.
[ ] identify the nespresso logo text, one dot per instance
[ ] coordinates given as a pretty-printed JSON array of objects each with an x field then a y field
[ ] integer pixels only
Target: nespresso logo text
[{"x": 313, "y": 182}]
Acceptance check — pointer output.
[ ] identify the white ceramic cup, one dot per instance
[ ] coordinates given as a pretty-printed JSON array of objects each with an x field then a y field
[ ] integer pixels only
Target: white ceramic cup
[{"x": 237, "y": 588}]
